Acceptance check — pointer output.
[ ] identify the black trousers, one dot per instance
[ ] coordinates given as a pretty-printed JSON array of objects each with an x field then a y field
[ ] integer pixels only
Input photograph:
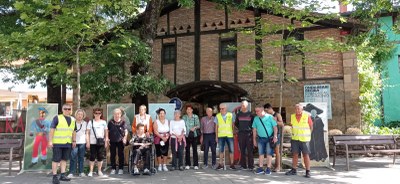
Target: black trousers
[
  {"x": 209, "y": 142},
  {"x": 144, "y": 152},
  {"x": 246, "y": 144},
  {"x": 177, "y": 152},
  {"x": 113, "y": 148},
  {"x": 191, "y": 142}
]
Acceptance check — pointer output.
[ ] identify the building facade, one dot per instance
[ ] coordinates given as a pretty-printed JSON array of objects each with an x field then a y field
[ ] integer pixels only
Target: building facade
[{"x": 192, "y": 51}]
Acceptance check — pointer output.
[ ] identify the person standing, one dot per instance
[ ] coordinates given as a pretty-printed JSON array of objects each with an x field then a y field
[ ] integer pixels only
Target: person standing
[
  {"x": 243, "y": 123},
  {"x": 177, "y": 129},
  {"x": 279, "y": 121},
  {"x": 118, "y": 134},
  {"x": 78, "y": 153},
  {"x": 224, "y": 134},
  {"x": 208, "y": 138},
  {"x": 62, "y": 137},
  {"x": 264, "y": 127},
  {"x": 301, "y": 135},
  {"x": 192, "y": 123},
  {"x": 161, "y": 139},
  {"x": 96, "y": 141},
  {"x": 40, "y": 128},
  {"x": 145, "y": 119}
]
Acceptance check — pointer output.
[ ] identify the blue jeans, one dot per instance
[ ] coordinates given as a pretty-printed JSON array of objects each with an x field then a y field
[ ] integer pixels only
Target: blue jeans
[
  {"x": 228, "y": 141},
  {"x": 264, "y": 147},
  {"x": 78, "y": 153}
]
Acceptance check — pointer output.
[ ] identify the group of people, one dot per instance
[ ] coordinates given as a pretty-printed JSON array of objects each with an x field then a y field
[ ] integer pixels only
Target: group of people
[{"x": 70, "y": 137}]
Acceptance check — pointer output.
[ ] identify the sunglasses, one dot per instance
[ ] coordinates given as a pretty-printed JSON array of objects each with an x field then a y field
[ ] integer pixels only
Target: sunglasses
[
  {"x": 97, "y": 113},
  {"x": 67, "y": 109}
]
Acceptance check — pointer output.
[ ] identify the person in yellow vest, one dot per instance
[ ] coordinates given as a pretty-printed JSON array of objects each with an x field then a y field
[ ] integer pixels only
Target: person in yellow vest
[
  {"x": 62, "y": 138},
  {"x": 301, "y": 135},
  {"x": 224, "y": 134}
]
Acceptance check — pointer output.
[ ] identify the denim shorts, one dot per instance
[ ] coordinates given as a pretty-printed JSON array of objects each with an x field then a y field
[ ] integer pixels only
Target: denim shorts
[
  {"x": 222, "y": 141},
  {"x": 264, "y": 147}
]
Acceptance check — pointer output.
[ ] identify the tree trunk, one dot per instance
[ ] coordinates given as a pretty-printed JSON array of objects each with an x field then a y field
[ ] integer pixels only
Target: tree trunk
[
  {"x": 147, "y": 33},
  {"x": 53, "y": 93}
]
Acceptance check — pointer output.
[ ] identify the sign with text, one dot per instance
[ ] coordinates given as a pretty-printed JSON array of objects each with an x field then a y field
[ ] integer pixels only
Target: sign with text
[{"x": 319, "y": 93}]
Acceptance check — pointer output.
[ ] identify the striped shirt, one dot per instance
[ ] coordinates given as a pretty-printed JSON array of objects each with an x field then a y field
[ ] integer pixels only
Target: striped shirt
[
  {"x": 244, "y": 121},
  {"x": 207, "y": 125}
]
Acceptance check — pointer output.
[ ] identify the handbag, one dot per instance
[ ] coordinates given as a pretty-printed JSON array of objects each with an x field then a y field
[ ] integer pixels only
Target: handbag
[
  {"x": 99, "y": 141},
  {"x": 270, "y": 138}
]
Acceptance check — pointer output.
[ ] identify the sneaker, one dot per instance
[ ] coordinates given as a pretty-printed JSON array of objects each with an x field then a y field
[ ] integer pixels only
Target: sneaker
[
  {"x": 64, "y": 178},
  {"x": 160, "y": 168},
  {"x": 195, "y": 167},
  {"x": 70, "y": 175},
  {"x": 187, "y": 167},
  {"x": 232, "y": 167},
  {"x": 181, "y": 168},
  {"x": 260, "y": 170},
  {"x": 82, "y": 175},
  {"x": 90, "y": 174},
  {"x": 112, "y": 171},
  {"x": 214, "y": 166},
  {"x": 101, "y": 173},
  {"x": 242, "y": 168},
  {"x": 146, "y": 172},
  {"x": 268, "y": 171},
  {"x": 120, "y": 171},
  {"x": 165, "y": 168},
  {"x": 173, "y": 169},
  {"x": 220, "y": 167},
  {"x": 136, "y": 171},
  {"x": 307, "y": 175},
  {"x": 291, "y": 172},
  {"x": 205, "y": 166},
  {"x": 56, "y": 180}
]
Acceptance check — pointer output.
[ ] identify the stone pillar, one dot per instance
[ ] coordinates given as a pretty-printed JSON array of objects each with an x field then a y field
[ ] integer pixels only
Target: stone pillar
[{"x": 351, "y": 91}]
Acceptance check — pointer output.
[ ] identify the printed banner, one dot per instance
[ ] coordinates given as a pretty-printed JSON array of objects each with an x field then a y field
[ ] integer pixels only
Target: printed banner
[
  {"x": 319, "y": 93},
  {"x": 38, "y": 120},
  {"x": 319, "y": 143}
]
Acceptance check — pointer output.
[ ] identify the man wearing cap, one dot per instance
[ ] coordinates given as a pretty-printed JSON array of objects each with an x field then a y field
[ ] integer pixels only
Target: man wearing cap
[
  {"x": 62, "y": 136},
  {"x": 301, "y": 134},
  {"x": 40, "y": 127},
  {"x": 317, "y": 142}
]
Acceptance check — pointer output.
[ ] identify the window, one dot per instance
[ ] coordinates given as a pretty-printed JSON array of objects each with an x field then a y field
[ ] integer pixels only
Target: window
[
  {"x": 291, "y": 49},
  {"x": 169, "y": 53},
  {"x": 225, "y": 52}
]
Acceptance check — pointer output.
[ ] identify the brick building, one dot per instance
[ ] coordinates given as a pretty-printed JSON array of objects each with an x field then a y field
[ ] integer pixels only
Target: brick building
[{"x": 191, "y": 51}]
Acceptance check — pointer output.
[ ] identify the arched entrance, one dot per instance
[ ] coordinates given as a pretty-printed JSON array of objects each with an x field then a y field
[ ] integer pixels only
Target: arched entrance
[{"x": 208, "y": 92}]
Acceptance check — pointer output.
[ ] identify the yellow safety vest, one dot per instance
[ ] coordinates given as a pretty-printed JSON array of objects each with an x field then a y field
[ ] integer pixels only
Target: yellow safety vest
[
  {"x": 63, "y": 132},
  {"x": 300, "y": 130},
  {"x": 225, "y": 127}
]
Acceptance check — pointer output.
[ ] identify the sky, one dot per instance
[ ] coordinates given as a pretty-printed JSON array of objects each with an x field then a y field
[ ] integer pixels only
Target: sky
[{"x": 24, "y": 87}]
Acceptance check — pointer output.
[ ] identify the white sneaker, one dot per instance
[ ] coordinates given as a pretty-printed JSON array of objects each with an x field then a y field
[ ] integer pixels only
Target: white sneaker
[
  {"x": 160, "y": 168},
  {"x": 82, "y": 175},
  {"x": 70, "y": 176},
  {"x": 165, "y": 168},
  {"x": 100, "y": 173},
  {"x": 136, "y": 171},
  {"x": 120, "y": 171},
  {"x": 146, "y": 171},
  {"x": 187, "y": 167},
  {"x": 112, "y": 171},
  {"x": 196, "y": 168},
  {"x": 90, "y": 174}
]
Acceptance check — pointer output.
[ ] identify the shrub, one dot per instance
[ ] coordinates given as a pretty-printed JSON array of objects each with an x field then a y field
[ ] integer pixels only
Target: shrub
[
  {"x": 287, "y": 130},
  {"x": 335, "y": 132},
  {"x": 353, "y": 131}
]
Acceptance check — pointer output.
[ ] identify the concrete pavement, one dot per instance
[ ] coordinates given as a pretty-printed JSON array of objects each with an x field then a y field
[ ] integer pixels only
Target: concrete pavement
[{"x": 362, "y": 170}]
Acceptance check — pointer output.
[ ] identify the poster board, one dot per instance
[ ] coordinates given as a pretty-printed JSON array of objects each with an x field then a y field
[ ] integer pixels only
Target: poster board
[
  {"x": 37, "y": 156},
  {"x": 319, "y": 143},
  {"x": 127, "y": 115},
  {"x": 169, "y": 110},
  {"x": 319, "y": 93}
]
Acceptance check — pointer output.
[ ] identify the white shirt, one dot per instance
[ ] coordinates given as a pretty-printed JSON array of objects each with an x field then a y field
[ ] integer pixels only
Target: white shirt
[
  {"x": 162, "y": 128},
  {"x": 176, "y": 127},
  {"x": 81, "y": 132},
  {"x": 99, "y": 127}
]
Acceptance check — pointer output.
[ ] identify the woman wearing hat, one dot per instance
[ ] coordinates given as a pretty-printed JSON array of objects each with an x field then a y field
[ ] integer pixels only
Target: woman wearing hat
[{"x": 161, "y": 139}]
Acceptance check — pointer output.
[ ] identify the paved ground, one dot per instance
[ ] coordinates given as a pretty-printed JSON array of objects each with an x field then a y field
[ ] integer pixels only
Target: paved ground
[{"x": 363, "y": 170}]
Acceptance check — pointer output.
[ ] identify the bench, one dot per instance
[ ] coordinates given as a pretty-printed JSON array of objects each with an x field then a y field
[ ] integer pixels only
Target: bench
[
  {"x": 349, "y": 141},
  {"x": 10, "y": 145}
]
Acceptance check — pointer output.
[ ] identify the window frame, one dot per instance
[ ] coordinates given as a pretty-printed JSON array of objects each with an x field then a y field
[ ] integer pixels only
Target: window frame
[
  {"x": 170, "y": 60},
  {"x": 230, "y": 54}
]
